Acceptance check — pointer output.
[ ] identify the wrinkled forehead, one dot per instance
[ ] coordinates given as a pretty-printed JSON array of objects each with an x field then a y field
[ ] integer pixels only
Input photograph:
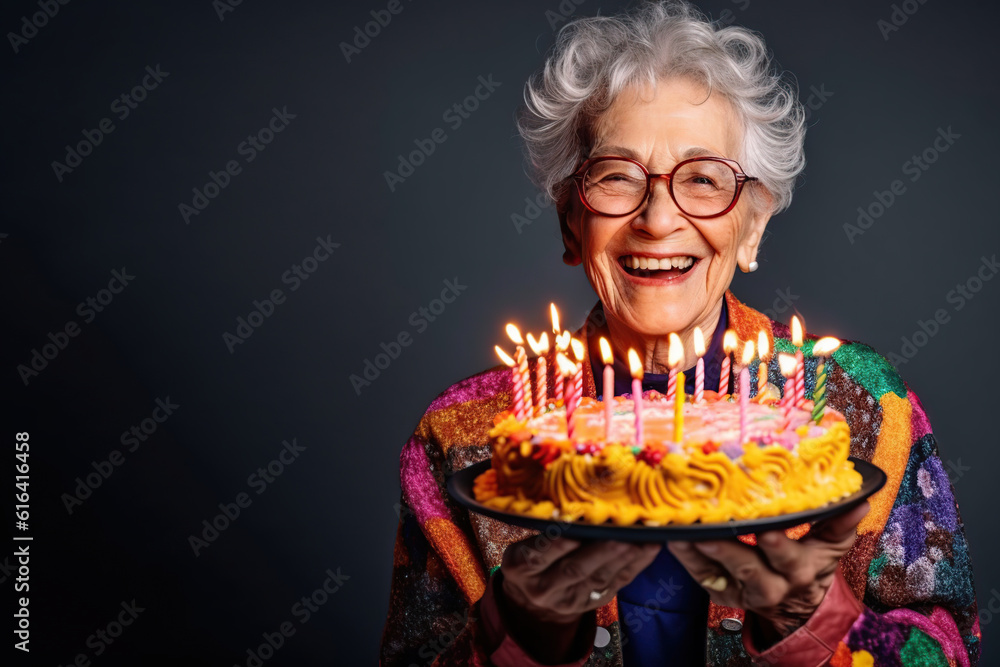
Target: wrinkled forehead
[{"x": 673, "y": 120}]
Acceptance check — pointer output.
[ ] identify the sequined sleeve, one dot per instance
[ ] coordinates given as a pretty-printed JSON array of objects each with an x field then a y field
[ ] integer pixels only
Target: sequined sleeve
[{"x": 910, "y": 564}]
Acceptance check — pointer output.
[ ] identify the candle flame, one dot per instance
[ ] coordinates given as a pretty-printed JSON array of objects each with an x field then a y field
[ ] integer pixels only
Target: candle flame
[
  {"x": 577, "y": 348},
  {"x": 676, "y": 352},
  {"x": 562, "y": 341},
  {"x": 606, "y": 352},
  {"x": 699, "y": 342},
  {"x": 787, "y": 364},
  {"x": 555, "y": 319},
  {"x": 763, "y": 346},
  {"x": 504, "y": 357},
  {"x": 796, "y": 331},
  {"x": 747, "y": 353},
  {"x": 634, "y": 364},
  {"x": 566, "y": 367},
  {"x": 825, "y": 346},
  {"x": 540, "y": 346},
  {"x": 514, "y": 334},
  {"x": 729, "y": 343}
]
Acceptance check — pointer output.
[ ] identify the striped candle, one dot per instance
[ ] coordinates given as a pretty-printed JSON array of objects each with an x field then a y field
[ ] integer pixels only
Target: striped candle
[
  {"x": 540, "y": 347},
  {"x": 787, "y": 364},
  {"x": 728, "y": 346},
  {"x": 823, "y": 348},
  {"x": 798, "y": 335},
  {"x": 764, "y": 353},
  {"x": 699, "y": 371},
  {"x": 515, "y": 381}
]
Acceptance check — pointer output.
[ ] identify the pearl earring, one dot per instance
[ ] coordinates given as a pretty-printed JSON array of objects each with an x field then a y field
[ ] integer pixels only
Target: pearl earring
[{"x": 753, "y": 266}]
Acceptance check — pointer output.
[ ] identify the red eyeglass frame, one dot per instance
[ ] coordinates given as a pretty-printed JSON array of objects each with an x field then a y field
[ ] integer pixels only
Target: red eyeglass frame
[{"x": 741, "y": 180}]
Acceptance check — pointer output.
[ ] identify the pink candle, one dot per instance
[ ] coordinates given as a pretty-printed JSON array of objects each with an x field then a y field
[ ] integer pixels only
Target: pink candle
[
  {"x": 764, "y": 353},
  {"x": 699, "y": 371},
  {"x": 636, "y": 367},
  {"x": 541, "y": 348},
  {"x": 787, "y": 364},
  {"x": 522, "y": 366},
  {"x": 800, "y": 378},
  {"x": 728, "y": 346},
  {"x": 578, "y": 372},
  {"x": 567, "y": 369},
  {"x": 515, "y": 376},
  {"x": 609, "y": 386},
  {"x": 744, "y": 401}
]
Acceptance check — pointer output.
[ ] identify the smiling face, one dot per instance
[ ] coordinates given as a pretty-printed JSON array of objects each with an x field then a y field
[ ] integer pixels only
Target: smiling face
[{"x": 661, "y": 127}]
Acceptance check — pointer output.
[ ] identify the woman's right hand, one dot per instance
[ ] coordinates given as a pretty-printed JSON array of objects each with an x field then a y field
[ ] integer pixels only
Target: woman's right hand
[{"x": 552, "y": 580}]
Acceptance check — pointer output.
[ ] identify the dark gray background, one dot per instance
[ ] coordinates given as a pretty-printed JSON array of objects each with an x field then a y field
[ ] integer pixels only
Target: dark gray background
[{"x": 323, "y": 175}]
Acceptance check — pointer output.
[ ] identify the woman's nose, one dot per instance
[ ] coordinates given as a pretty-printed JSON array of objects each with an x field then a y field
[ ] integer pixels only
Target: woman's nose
[{"x": 660, "y": 217}]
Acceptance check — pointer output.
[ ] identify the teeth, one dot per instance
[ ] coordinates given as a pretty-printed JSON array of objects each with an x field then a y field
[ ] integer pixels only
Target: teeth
[{"x": 654, "y": 264}]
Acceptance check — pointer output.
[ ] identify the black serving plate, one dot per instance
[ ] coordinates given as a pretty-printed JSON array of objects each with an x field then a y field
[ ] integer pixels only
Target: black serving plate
[{"x": 460, "y": 488}]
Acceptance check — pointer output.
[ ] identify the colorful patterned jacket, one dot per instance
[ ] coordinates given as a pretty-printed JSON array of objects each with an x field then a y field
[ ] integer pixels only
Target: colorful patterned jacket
[{"x": 909, "y": 566}]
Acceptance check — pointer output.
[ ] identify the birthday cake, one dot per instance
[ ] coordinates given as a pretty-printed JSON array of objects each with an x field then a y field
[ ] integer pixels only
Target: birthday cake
[{"x": 787, "y": 460}]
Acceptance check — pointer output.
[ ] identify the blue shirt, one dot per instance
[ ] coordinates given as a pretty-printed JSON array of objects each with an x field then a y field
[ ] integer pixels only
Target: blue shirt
[{"x": 663, "y": 612}]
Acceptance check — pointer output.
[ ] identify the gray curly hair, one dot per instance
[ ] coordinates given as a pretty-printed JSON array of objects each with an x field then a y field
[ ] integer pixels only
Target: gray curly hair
[{"x": 595, "y": 58}]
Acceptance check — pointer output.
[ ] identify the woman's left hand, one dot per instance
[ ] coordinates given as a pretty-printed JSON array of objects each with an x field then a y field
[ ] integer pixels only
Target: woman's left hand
[{"x": 781, "y": 581}]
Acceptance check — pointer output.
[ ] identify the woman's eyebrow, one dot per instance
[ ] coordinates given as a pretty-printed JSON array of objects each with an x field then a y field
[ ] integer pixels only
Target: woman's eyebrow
[{"x": 694, "y": 151}]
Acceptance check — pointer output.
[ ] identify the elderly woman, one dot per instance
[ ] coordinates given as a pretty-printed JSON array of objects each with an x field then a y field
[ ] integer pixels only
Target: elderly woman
[{"x": 667, "y": 143}]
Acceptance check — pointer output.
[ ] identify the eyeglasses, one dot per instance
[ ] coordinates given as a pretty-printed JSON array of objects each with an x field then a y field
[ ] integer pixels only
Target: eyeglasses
[{"x": 702, "y": 187}]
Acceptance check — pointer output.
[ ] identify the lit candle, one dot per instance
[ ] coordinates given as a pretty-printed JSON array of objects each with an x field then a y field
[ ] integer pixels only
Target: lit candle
[
  {"x": 800, "y": 370},
  {"x": 764, "y": 354},
  {"x": 728, "y": 346},
  {"x": 675, "y": 354},
  {"x": 562, "y": 342},
  {"x": 555, "y": 319},
  {"x": 609, "y": 386},
  {"x": 745, "y": 389},
  {"x": 516, "y": 379},
  {"x": 823, "y": 348},
  {"x": 540, "y": 347},
  {"x": 635, "y": 366},
  {"x": 679, "y": 410},
  {"x": 578, "y": 372},
  {"x": 522, "y": 367},
  {"x": 566, "y": 369},
  {"x": 699, "y": 370},
  {"x": 787, "y": 364}
]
